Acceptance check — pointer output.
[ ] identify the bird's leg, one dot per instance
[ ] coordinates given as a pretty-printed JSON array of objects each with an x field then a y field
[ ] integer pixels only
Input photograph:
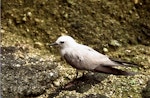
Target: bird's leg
[
  {"x": 83, "y": 74},
  {"x": 77, "y": 73},
  {"x": 73, "y": 82}
]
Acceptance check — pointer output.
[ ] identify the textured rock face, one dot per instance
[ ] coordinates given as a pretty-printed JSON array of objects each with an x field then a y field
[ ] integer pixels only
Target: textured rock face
[
  {"x": 25, "y": 75},
  {"x": 30, "y": 68}
]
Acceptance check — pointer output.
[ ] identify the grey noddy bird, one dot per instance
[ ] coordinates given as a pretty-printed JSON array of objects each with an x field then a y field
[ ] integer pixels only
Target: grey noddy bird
[{"x": 83, "y": 57}]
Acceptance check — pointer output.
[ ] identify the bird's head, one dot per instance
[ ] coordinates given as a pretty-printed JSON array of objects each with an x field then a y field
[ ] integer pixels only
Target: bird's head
[{"x": 64, "y": 41}]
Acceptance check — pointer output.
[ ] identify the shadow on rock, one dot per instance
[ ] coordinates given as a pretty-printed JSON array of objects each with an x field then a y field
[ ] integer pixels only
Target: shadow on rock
[
  {"x": 85, "y": 82},
  {"x": 146, "y": 91},
  {"x": 95, "y": 96},
  {"x": 81, "y": 84}
]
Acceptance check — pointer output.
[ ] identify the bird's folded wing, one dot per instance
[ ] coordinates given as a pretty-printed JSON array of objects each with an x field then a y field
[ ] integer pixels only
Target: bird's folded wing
[{"x": 73, "y": 60}]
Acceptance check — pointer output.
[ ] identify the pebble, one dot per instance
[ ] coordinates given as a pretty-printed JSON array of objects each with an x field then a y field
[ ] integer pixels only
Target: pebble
[
  {"x": 56, "y": 83},
  {"x": 38, "y": 45},
  {"x": 2, "y": 31},
  {"x": 105, "y": 50},
  {"x": 115, "y": 43},
  {"x": 29, "y": 14}
]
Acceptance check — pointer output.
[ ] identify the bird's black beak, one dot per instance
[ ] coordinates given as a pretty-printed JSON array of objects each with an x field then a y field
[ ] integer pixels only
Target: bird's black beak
[{"x": 53, "y": 44}]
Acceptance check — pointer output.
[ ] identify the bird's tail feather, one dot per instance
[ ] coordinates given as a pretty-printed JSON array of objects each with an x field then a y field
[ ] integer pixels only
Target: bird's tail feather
[
  {"x": 110, "y": 70},
  {"x": 125, "y": 63}
]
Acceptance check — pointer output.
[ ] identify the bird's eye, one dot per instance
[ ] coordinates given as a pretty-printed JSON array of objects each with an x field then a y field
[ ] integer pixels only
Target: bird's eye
[{"x": 62, "y": 42}]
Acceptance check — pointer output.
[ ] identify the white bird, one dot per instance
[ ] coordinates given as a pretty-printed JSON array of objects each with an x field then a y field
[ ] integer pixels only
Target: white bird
[{"x": 83, "y": 57}]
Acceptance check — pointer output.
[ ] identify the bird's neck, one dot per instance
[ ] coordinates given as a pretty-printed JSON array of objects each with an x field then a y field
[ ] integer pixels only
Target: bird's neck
[{"x": 67, "y": 49}]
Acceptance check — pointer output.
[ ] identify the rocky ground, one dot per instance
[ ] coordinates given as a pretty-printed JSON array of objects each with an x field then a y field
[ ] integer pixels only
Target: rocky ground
[{"x": 30, "y": 68}]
